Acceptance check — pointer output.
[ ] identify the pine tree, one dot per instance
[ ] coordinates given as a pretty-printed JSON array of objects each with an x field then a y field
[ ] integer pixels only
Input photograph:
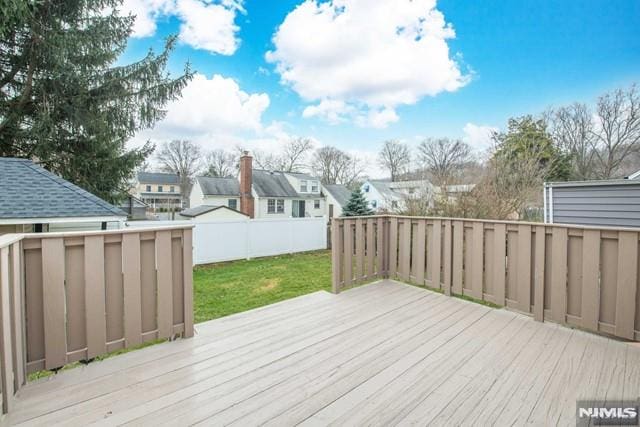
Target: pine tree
[
  {"x": 64, "y": 102},
  {"x": 357, "y": 205}
]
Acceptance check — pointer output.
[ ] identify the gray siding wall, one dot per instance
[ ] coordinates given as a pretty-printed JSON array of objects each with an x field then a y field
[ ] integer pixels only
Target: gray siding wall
[{"x": 602, "y": 205}]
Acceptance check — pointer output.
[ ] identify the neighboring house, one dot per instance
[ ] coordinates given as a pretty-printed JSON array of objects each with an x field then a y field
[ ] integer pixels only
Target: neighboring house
[
  {"x": 262, "y": 194},
  {"x": 600, "y": 203},
  {"x": 390, "y": 196},
  {"x": 210, "y": 213},
  {"x": 33, "y": 199},
  {"x": 161, "y": 191},
  {"x": 135, "y": 208},
  {"x": 337, "y": 197}
]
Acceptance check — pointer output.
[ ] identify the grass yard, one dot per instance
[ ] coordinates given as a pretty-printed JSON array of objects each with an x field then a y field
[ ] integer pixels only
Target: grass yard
[{"x": 231, "y": 287}]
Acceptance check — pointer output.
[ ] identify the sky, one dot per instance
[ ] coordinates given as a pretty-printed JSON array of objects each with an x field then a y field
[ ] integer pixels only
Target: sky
[{"x": 354, "y": 73}]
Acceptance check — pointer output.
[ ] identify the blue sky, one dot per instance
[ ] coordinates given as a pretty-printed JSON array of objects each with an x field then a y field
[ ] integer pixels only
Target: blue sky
[{"x": 507, "y": 58}]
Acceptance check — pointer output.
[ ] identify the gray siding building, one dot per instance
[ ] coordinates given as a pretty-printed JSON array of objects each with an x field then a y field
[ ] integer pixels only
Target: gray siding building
[{"x": 612, "y": 203}]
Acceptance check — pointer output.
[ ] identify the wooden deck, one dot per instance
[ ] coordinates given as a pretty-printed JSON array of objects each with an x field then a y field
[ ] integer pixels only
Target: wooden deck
[{"x": 381, "y": 354}]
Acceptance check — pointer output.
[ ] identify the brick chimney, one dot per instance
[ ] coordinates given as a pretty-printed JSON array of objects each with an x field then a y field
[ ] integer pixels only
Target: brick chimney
[{"x": 246, "y": 172}]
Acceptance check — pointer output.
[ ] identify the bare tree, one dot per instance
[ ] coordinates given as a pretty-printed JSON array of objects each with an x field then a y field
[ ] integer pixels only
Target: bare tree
[
  {"x": 572, "y": 130},
  {"x": 295, "y": 155},
  {"x": 334, "y": 166},
  {"x": 395, "y": 157},
  {"x": 183, "y": 158},
  {"x": 616, "y": 130},
  {"x": 442, "y": 158},
  {"x": 220, "y": 163}
]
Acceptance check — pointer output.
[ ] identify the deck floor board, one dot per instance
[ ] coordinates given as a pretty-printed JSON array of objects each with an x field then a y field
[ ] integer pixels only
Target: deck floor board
[{"x": 380, "y": 354}]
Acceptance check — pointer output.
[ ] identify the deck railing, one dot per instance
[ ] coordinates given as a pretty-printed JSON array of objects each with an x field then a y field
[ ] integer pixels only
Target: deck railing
[
  {"x": 580, "y": 276},
  {"x": 67, "y": 297}
]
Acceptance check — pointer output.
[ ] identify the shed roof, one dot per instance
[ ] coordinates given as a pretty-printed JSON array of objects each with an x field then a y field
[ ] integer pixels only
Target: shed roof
[
  {"x": 203, "y": 209},
  {"x": 30, "y": 191}
]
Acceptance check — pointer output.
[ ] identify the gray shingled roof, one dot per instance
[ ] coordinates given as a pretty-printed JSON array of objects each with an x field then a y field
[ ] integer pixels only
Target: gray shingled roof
[
  {"x": 306, "y": 176},
  {"x": 219, "y": 186},
  {"x": 203, "y": 209},
  {"x": 272, "y": 184},
  {"x": 339, "y": 192},
  {"x": 384, "y": 188},
  {"x": 158, "y": 178},
  {"x": 29, "y": 191}
]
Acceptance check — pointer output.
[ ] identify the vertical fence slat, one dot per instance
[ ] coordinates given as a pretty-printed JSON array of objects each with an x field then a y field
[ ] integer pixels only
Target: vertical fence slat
[
  {"x": 53, "y": 295},
  {"x": 336, "y": 255},
  {"x": 19, "y": 341},
  {"x": 499, "y": 266},
  {"x": 420, "y": 256},
  {"x": 524, "y": 268},
  {"x": 458, "y": 254},
  {"x": 393, "y": 247},
  {"x": 559, "y": 275},
  {"x": 165, "y": 286},
  {"x": 405, "y": 249},
  {"x": 95, "y": 304},
  {"x": 187, "y": 280},
  {"x": 590, "y": 310},
  {"x": 371, "y": 249},
  {"x": 380, "y": 248},
  {"x": 132, "y": 292},
  {"x": 436, "y": 255},
  {"x": 360, "y": 249},
  {"x": 538, "y": 304},
  {"x": 477, "y": 259},
  {"x": 348, "y": 252},
  {"x": 6, "y": 357},
  {"x": 627, "y": 284},
  {"x": 446, "y": 259}
]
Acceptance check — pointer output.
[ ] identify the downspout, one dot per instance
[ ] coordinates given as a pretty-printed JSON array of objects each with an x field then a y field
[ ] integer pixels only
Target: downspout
[
  {"x": 544, "y": 202},
  {"x": 551, "y": 204}
]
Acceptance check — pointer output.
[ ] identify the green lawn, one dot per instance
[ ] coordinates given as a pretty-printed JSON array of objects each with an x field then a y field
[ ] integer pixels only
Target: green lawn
[{"x": 231, "y": 287}]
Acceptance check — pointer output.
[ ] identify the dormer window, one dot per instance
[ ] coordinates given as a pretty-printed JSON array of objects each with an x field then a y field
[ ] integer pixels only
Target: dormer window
[
  {"x": 314, "y": 186},
  {"x": 303, "y": 186}
]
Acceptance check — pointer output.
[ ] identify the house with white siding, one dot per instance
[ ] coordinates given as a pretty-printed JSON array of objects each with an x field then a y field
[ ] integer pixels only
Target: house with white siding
[{"x": 262, "y": 193}]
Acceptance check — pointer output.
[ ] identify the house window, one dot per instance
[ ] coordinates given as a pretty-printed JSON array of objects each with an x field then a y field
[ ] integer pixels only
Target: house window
[
  {"x": 159, "y": 188},
  {"x": 316, "y": 204},
  {"x": 275, "y": 206},
  {"x": 303, "y": 186},
  {"x": 366, "y": 188},
  {"x": 172, "y": 189},
  {"x": 233, "y": 204},
  {"x": 148, "y": 189},
  {"x": 374, "y": 204},
  {"x": 314, "y": 186}
]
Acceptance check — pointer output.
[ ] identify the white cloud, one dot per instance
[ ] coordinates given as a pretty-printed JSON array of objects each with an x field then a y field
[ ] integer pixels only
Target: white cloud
[
  {"x": 478, "y": 136},
  {"x": 214, "y": 112},
  {"x": 204, "y": 24},
  {"x": 367, "y": 55}
]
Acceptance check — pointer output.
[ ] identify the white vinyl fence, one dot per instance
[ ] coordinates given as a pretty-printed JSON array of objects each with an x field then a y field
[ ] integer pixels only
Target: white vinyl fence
[{"x": 226, "y": 240}]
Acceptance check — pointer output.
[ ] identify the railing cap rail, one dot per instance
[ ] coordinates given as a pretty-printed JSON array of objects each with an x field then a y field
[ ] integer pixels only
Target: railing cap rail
[
  {"x": 127, "y": 230},
  {"x": 493, "y": 221}
]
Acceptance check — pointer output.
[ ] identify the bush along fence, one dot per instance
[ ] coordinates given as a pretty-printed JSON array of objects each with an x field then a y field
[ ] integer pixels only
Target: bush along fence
[
  {"x": 67, "y": 297},
  {"x": 574, "y": 275}
]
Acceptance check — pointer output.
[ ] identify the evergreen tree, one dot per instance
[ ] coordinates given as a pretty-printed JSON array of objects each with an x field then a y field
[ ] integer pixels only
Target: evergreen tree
[
  {"x": 64, "y": 102},
  {"x": 357, "y": 205}
]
